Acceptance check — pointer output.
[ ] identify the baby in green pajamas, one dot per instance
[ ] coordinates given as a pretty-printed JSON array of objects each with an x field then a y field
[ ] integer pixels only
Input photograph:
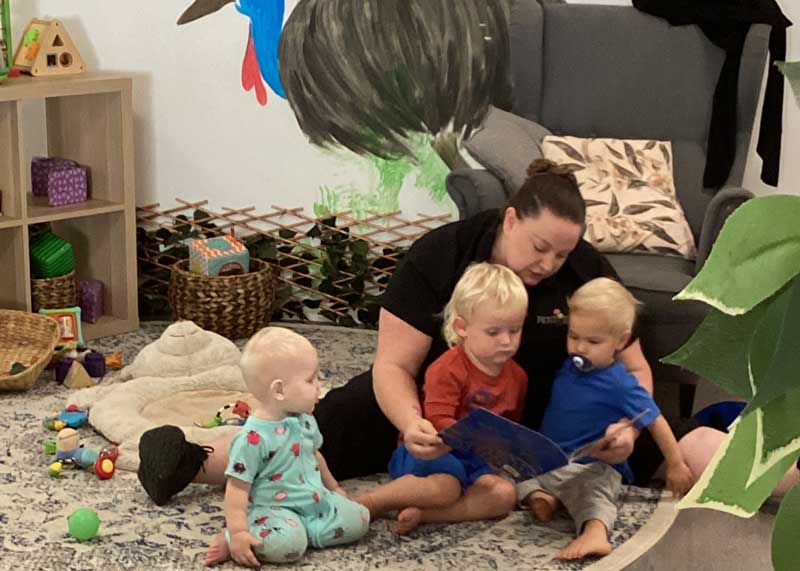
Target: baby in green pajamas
[{"x": 280, "y": 496}]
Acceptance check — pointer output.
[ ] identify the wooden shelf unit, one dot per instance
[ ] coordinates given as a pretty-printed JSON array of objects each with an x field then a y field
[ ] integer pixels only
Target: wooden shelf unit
[{"x": 89, "y": 119}]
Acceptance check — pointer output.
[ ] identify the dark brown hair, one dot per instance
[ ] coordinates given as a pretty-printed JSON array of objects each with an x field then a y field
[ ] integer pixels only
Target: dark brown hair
[{"x": 552, "y": 187}]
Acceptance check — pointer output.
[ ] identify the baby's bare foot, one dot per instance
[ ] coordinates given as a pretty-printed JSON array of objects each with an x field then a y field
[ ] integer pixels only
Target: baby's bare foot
[
  {"x": 593, "y": 541},
  {"x": 407, "y": 521},
  {"x": 218, "y": 551},
  {"x": 543, "y": 506}
]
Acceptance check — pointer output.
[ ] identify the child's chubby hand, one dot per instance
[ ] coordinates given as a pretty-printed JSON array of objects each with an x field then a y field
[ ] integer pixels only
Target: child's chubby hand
[
  {"x": 679, "y": 478},
  {"x": 242, "y": 543}
]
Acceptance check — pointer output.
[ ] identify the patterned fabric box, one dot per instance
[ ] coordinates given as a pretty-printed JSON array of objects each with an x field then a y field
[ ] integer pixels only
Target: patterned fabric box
[
  {"x": 91, "y": 300},
  {"x": 62, "y": 181},
  {"x": 220, "y": 256}
]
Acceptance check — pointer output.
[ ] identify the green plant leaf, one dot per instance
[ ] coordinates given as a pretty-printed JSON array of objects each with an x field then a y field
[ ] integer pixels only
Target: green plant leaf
[
  {"x": 718, "y": 350},
  {"x": 757, "y": 253},
  {"x": 724, "y": 483},
  {"x": 780, "y": 429},
  {"x": 775, "y": 348},
  {"x": 786, "y": 533},
  {"x": 286, "y": 233}
]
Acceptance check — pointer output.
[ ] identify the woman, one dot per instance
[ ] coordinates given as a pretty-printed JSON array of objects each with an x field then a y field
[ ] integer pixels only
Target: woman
[{"x": 538, "y": 236}]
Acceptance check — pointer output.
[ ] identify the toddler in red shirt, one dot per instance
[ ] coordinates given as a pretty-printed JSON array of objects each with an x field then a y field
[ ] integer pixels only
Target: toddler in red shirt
[{"x": 482, "y": 324}]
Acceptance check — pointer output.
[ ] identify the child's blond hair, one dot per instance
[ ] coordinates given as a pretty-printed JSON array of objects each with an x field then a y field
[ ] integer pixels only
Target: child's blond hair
[
  {"x": 609, "y": 298},
  {"x": 481, "y": 283}
]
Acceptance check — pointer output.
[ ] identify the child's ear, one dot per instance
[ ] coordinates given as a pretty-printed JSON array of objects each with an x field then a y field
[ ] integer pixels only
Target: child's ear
[
  {"x": 460, "y": 326},
  {"x": 276, "y": 388},
  {"x": 623, "y": 341}
]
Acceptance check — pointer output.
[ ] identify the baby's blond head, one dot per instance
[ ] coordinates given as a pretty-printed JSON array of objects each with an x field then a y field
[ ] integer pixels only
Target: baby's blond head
[
  {"x": 480, "y": 284},
  {"x": 275, "y": 353},
  {"x": 609, "y": 298}
]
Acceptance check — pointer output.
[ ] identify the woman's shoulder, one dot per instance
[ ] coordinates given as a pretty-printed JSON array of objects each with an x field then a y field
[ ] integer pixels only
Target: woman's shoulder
[{"x": 462, "y": 238}]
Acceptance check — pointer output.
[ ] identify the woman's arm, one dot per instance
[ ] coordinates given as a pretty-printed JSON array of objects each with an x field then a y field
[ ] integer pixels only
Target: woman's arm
[
  {"x": 401, "y": 351},
  {"x": 633, "y": 359}
]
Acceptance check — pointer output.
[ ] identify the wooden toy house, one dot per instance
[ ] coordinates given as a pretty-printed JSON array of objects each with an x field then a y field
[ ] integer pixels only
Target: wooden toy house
[{"x": 47, "y": 49}]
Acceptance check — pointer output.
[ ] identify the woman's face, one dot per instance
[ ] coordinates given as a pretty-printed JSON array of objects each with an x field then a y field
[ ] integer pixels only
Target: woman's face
[{"x": 535, "y": 248}]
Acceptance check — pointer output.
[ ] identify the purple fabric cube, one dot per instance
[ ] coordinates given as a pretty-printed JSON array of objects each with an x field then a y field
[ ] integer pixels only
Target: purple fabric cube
[
  {"x": 95, "y": 364},
  {"x": 62, "y": 181},
  {"x": 91, "y": 300}
]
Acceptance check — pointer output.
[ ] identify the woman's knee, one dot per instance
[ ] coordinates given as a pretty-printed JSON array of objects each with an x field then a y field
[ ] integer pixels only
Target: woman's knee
[{"x": 699, "y": 446}]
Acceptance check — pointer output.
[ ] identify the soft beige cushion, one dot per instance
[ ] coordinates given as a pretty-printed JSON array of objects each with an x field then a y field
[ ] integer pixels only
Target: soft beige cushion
[{"x": 631, "y": 204}]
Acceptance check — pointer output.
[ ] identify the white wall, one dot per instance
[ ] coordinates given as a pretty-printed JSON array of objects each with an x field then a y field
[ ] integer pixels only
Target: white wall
[
  {"x": 789, "y": 182},
  {"x": 200, "y": 135}
]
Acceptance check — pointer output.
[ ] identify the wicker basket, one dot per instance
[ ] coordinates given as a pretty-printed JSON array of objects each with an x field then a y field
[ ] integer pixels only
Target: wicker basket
[
  {"x": 233, "y": 306},
  {"x": 25, "y": 338},
  {"x": 54, "y": 293}
]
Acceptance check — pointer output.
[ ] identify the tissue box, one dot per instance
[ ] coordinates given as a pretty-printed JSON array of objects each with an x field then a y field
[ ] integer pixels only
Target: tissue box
[
  {"x": 62, "y": 181},
  {"x": 220, "y": 256},
  {"x": 90, "y": 293}
]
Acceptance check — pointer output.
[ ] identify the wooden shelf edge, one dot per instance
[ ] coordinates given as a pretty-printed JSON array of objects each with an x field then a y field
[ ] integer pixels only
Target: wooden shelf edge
[
  {"x": 10, "y": 222},
  {"x": 92, "y": 207},
  {"x": 27, "y": 87},
  {"x": 108, "y": 325}
]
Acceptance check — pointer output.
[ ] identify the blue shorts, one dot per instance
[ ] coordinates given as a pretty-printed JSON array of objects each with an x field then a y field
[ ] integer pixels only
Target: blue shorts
[{"x": 466, "y": 468}]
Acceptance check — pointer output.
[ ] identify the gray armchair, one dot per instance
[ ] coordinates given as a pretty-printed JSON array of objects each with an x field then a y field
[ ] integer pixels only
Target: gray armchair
[{"x": 612, "y": 71}]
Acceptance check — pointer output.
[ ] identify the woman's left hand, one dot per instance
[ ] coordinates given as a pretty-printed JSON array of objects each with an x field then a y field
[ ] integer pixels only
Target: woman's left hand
[{"x": 618, "y": 444}]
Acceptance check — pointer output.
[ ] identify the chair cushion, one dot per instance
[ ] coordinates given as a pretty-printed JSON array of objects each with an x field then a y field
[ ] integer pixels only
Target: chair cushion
[
  {"x": 630, "y": 194},
  {"x": 506, "y": 145},
  {"x": 668, "y": 274}
]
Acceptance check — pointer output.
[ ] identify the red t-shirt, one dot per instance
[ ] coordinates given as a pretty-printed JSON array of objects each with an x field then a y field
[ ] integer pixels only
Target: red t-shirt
[{"x": 454, "y": 386}]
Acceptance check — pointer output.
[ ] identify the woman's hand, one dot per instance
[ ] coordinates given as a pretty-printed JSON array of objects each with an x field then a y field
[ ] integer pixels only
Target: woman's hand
[
  {"x": 618, "y": 443},
  {"x": 422, "y": 441},
  {"x": 242, "y": 544}
]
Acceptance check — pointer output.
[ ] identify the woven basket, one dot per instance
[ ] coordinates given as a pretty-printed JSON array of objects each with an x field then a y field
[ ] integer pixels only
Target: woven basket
[
  {"x": 54, "y": 293},
  {"x": 25, "y": 338},
  {"x": 233, "y": 306}
]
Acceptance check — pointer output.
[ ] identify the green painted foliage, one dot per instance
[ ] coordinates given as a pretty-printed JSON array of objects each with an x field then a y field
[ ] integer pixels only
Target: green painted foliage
[{"x": 786, "y": 533}]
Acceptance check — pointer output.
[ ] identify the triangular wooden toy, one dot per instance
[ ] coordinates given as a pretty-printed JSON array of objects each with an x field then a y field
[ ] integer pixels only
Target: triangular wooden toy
[
  {"x": 47, "y": 49},
  {"x": 78, "y": 378}
]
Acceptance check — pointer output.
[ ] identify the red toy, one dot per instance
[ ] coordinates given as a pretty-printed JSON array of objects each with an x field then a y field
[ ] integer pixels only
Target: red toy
[{"x": 105, "y": 467}]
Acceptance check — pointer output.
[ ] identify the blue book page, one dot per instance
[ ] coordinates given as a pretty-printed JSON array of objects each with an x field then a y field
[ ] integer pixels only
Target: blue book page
[{"x": 506, "y": 446}]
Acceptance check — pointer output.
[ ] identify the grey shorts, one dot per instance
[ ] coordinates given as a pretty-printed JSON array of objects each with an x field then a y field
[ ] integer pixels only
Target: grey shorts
[{"x": 588, "y": 491}]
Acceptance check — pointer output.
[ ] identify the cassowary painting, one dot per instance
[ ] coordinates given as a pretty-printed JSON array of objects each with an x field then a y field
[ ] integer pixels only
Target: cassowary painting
[
  {"x": 368, "y": 75},
  {"x": 260, "y": 62}
]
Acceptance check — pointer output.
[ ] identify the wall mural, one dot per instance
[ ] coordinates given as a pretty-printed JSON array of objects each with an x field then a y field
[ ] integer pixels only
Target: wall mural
[{"x": 397, "y": 82}]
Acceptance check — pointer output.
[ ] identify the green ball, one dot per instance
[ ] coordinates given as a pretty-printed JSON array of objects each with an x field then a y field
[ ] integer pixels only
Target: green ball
[{"x": 83, "y": 524}]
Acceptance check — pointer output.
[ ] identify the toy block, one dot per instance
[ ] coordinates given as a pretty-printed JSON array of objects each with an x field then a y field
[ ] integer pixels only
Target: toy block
[
  {"x": 47, "y": 49},
  {"x": 219, "y": 256},
  {"x": 91, "y": 300},
  {"x": 78, "y": 378},
  {"x": 62, "y": 181}
]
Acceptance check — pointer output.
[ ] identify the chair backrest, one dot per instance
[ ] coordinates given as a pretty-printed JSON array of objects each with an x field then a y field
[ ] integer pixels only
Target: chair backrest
[{"x": 614, "y": 71}]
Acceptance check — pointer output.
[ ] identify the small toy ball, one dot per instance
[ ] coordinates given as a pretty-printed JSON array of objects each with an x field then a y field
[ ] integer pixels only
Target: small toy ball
[{"x": 83, "y": 524}]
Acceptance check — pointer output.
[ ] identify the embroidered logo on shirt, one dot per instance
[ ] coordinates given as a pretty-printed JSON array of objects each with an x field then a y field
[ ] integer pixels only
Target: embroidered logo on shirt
[
  {"x": 558, "y": 318},
  {"x": 480, "y": 399}
]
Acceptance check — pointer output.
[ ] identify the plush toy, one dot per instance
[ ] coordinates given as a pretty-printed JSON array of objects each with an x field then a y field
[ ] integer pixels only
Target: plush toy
[{"x": 70, "y": 417}]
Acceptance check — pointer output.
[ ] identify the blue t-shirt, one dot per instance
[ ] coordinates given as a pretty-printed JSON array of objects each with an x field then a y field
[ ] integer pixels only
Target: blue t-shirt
[{"x": 583, "y": 404}]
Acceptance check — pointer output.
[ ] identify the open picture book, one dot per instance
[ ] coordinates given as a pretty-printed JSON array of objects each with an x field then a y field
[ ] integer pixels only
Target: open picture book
[{"x": 508, "y": 447}]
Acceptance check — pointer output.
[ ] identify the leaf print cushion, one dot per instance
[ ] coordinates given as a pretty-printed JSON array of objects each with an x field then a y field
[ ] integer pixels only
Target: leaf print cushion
[{"x": 631, "y": 203}]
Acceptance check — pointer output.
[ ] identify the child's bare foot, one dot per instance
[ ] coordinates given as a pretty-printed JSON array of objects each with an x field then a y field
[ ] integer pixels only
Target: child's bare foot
[
  {"x": 407, "y": 520},
  {"x": 218, "y": 551},
  {"x": 593, "y": 541},
  {"x": 543, "y": 506}
]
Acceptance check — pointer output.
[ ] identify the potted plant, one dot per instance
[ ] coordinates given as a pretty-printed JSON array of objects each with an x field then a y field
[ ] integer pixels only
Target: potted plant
[{"x": 750, "y": 345}]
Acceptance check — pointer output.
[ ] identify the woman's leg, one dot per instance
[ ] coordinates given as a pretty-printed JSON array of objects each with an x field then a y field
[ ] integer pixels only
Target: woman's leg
[
  {"x": 700, "y": 445},
  {"x": 488, "y": 498}
]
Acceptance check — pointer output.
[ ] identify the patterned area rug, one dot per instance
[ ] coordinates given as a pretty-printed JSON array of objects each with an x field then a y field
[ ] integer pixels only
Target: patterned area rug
[{"x": 136, "y": 534}]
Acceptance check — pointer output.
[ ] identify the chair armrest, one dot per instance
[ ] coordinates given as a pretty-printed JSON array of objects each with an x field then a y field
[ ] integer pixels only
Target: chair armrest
[
  {"x": 475, "y": 190},
  {"x": 721, "y": 206}
]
